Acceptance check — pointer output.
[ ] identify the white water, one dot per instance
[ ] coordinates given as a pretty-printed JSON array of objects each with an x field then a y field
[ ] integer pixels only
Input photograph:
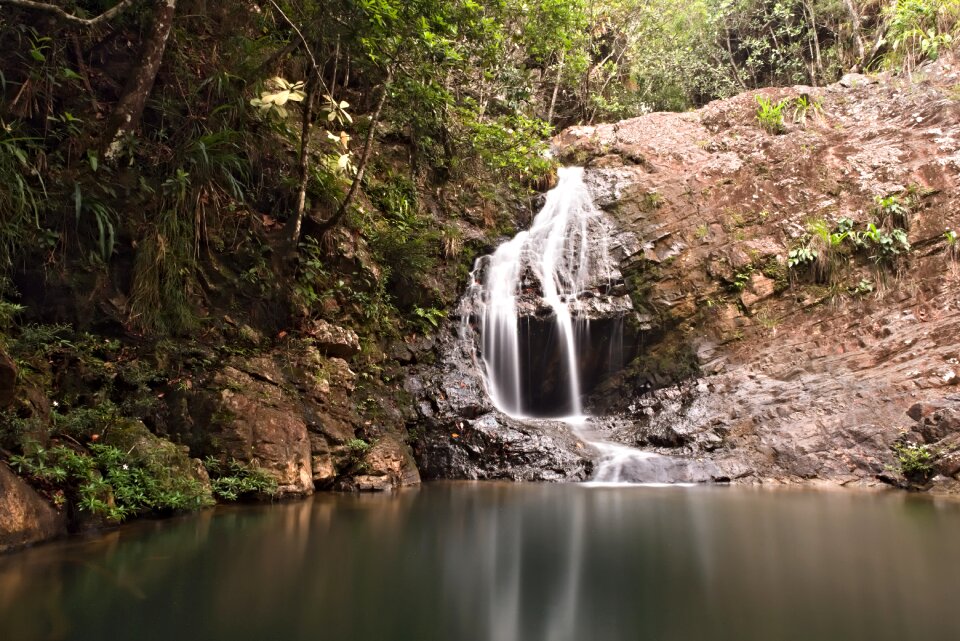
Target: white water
[{"x": 563, "y": 255}]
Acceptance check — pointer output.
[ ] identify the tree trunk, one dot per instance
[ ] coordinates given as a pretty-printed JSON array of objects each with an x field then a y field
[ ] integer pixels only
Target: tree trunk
[
  {"x": 334, "y": 220},
  {"x": 857, "y": 33},
  {"x": 817, "y": 57},
  {"x": 307, "y": 123},
  {"x": 126, "y": 114},
  {"x": 556, "y": 87}
]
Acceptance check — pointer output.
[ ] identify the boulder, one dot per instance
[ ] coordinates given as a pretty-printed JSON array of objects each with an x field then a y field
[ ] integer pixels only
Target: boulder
[
  {"x": 494, "y": 446},
  {"x": 939, "y": 424},
  {"x": 334, "y": 340},
  {"x": 25, "y": 517},
  {"x": 851, "y": 80},
  {"x": 389, "y": 465}
]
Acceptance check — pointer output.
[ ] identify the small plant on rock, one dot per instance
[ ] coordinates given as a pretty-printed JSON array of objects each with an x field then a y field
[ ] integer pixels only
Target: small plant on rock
[
  {"x": 864, "y": 287},
  {"x": 800, "y": 256},
  {"x": 914, "y": 461},
  {"x": 893, "y": 211},
  {"x": 804, "y": 106},
  {"x": 886, "y": 245},
  {"x": 953, "y": 245},
  {"x": 770, "y": 115}
]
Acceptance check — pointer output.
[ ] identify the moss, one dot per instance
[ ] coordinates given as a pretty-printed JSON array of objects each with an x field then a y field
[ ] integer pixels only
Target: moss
[{"x": 778, "y": 272}]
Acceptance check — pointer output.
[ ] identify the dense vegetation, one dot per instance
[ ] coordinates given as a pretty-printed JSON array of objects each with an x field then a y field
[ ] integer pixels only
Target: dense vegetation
[{"x": 166, "y": 165}]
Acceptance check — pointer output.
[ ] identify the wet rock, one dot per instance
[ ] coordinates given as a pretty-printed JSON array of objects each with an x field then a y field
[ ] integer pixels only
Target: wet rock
[
  {"x": 387, "y": 465},
  {"x": 494, "y": 446},
  {"x": 25, "y": 517},
  {"x": 333, "y": 340}
]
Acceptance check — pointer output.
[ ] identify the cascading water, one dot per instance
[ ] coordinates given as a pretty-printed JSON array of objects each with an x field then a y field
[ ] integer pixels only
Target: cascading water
[
  {"x": 543, "y": 273},
  {"x": 526, "y": 319}
]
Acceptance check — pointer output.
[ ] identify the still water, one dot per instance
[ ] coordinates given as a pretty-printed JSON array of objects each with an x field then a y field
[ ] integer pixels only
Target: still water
[{"x": 499, "y": 562}]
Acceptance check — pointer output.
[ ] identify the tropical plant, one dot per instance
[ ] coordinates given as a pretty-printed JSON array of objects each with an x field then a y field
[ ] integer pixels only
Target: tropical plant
[{"x": 770, "y": 114}]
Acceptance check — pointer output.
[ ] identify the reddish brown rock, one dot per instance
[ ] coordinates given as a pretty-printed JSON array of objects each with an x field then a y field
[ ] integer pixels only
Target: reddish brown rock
[
  {"x": 25, "y": 517},
  {"x": 813, "y": 382},
  {"x": 253, "y": 421}
]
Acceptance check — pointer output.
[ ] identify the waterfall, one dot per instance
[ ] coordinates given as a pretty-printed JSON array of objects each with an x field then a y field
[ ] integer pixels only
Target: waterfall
[
  {"x": 543, "y": 274},
  {"x": 526, "y": 322}
]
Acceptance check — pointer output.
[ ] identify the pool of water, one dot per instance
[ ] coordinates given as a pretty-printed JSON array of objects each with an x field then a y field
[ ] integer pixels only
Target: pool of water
[{"x": 507, "y": 562}]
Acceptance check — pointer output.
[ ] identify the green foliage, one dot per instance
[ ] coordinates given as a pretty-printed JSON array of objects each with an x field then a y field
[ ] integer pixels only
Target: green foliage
[
  {"x": 22, "y": 193},
  {"x": 163, "y": 272},
  {"x": 429, "y": 318},
  {"x": 770, "y": 114},
  {"x": 892, "y": 210},
  {"x": 512, "y": 147},
  {"x": 358, "y": 446},
  {"x": 403, "y": 240},
  {"x": 914, "y": 461},
  {"x": 886, "y": 246},
  {"x": 864, "y": 287},
  {"x": 105, "y": 221},
  {"x": 109, "y": 482},
  {"x": 823, "y": 248},
  {"x": 234, "y": 481},
  {"x": 800, "y": 256},
  {"x": 742, "y": 277},
  {"x": 919, "y": 30},
  {"x": 273, "y": 101}
]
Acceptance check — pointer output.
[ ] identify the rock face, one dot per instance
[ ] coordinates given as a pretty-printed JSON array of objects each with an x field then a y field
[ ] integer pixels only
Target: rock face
[
  {"x": 462, "y": 436},
  {"x": 291, "y": 412},
  {"x": 772, "y": 373},
  {"x": 8, "y": 379},
  {"x": 25, "y": 517}
]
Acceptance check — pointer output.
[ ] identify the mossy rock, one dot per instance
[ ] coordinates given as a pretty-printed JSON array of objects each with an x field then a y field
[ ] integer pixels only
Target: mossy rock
[{"x": 169, "y": 462}]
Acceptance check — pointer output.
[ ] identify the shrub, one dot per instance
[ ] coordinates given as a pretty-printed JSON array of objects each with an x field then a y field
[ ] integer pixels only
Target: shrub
[
  {"x": 110, "y": 482},
  {"x": 914, "y": 461},
  {"x": 953, "y": 247},
  {"x": 233, "y": 480}
]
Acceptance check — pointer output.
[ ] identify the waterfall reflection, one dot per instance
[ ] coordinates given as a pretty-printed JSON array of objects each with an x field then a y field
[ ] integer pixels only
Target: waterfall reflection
[{"x": 501, "y": 562}]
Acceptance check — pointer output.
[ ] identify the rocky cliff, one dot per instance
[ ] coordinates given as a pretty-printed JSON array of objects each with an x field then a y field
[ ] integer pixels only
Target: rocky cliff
[
  {"x": 780, "y": 365},
  {"x": 795, "y": 288}
]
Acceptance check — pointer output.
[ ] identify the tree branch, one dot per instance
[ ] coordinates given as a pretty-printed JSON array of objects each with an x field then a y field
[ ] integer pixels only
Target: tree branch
[
  {"x": 87, "y": 23},
  {"x": 306, "y": 45},
  {"x": 332, "y": 222}
]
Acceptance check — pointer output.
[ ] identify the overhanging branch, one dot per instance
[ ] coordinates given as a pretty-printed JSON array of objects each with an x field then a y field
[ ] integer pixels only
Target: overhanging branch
[{"x": 87, "y": 23}]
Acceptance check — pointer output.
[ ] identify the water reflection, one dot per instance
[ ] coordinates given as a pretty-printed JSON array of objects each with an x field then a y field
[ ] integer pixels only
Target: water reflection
[{"x": 507, "y": 563}]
